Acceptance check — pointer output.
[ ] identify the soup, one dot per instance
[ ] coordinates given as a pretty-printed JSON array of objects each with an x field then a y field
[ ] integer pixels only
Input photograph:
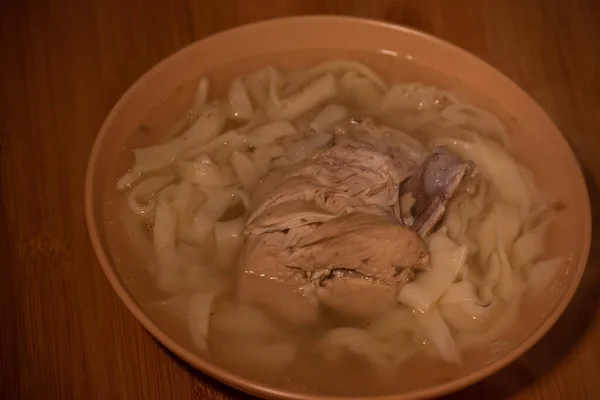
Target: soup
[{"x": 418, "y": 257}]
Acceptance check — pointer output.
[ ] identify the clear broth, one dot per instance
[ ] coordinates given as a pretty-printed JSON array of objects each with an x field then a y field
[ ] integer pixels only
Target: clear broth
[{"x": 308, "y": 374}]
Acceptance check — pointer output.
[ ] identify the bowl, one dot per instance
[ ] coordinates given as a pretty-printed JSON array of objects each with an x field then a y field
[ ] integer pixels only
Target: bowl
[{"x": 397, "y": 52}]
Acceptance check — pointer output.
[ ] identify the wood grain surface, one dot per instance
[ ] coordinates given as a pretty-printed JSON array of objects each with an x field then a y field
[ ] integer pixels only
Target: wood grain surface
[{"x": 64, "y": 334}]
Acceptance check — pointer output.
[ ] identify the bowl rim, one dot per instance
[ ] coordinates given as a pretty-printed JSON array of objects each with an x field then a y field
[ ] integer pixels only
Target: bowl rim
[{"x": 248, "y": 385}]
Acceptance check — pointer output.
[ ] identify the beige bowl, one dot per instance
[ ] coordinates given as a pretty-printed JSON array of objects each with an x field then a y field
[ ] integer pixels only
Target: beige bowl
[{"x": 398, "y": 53}]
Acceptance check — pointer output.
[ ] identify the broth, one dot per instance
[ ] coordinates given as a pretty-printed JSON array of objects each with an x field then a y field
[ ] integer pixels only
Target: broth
[{"x": 308, "y": 372}]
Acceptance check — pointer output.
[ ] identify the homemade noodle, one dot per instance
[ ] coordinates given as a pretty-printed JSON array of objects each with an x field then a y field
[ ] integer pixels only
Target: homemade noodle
[{"x": 194, "y": 190}]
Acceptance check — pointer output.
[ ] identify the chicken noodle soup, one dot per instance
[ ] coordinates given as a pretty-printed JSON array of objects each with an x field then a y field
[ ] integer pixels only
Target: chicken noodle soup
[{"x": 324, "y": 215}]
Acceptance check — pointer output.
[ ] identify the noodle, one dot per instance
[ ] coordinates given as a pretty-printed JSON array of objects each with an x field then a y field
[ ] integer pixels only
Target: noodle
[
  {"x": 313, "y": 95},
  {"x": 141, "y": 197},
  {"x": 201, "y": 94},
  {"x": 195, "y": 190},
  {"x": 240, "y": 106},
  {"x": 245, "y": 170},
  {"x": 446, "y": 259}
]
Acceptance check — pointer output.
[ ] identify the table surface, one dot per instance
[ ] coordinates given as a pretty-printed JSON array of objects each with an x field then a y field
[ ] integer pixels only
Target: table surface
[{"x": 63, "y": 64}]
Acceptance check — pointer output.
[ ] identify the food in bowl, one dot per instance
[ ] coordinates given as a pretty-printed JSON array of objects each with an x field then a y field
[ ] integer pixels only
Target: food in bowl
[{"x": 323, "y": 219}]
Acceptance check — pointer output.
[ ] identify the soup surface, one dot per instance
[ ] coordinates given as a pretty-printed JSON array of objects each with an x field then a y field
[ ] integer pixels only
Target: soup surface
[{"x": 308, "y": 220}]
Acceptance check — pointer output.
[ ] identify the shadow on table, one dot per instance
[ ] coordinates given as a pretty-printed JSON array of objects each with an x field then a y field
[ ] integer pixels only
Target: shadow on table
[
  {"x": 559, "y": 341},
  {"x": 541, "y": 359}
]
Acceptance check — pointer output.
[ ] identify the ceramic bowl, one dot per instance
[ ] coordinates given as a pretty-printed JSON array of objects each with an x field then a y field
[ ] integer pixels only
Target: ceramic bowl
[{"x": 398, "y": 53}]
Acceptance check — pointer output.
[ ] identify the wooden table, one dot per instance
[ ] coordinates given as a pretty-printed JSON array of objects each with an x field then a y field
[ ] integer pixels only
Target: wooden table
[{"x": 64, "y": 63}]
